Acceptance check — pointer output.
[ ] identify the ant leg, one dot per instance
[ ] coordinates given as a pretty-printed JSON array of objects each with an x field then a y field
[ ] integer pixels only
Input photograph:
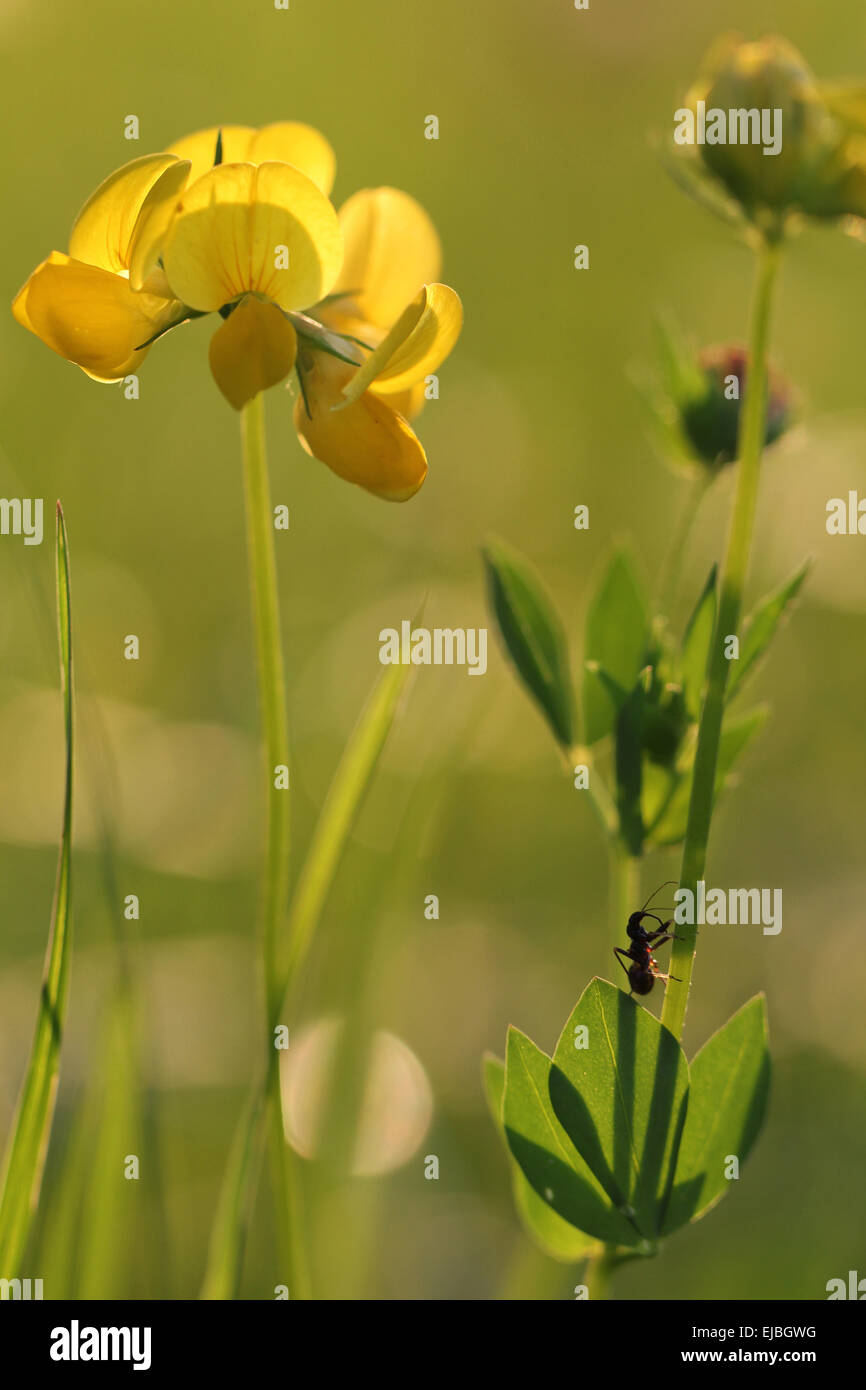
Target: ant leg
[
  {"x": 663, "y": 925},
  {"x": 618, "y": 952},
  {"x": 659, "y": 938},
  {"x": 655, "y": 938}
]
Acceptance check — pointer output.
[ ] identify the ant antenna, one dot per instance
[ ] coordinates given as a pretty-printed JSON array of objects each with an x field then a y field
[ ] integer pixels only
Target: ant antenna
[{"x": 666, "y": 884}]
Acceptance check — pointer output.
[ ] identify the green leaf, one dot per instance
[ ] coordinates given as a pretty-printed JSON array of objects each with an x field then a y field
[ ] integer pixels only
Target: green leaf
[
  {"x": 544, "y": 1152},
  {"x": 534, "y": 637},
  {"x": 696, "y": 647},
  {"x": 617, "y": 634},
  {"x": 93, "y": 1211},
  {"x": 737, "y": 734},
  {"x": 31, "y": 1130},
  {"x": 621, "y": 1099},
  {"x": 683, "y": 380},
  {"x": 556, "y": 1237},
  {"x": 692, "y": 178},
  {"x": 658, "y": 785},
  {"x": 322, "y": 338},
  {"x": 729, "y": 1085},
  {"x": 760, "y": 627}
]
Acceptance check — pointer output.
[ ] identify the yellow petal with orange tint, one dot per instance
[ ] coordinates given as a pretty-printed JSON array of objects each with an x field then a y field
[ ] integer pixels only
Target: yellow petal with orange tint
[
  {"x": 200, "y": 148},
  {"x": 408, "y": 403},
  {"x": 243, "y": 228},
  {"x": 255, "y": 348},
  {"x": 19, "y": 303},
  {"x": 418, "y": 343},
  {"x": 368, "y": 443},
  {"x": 153, "y": 221},
  {"x": 298, "y": 144},
  {"x": 90, "y": 316},
  {"x": 103, "y": 229},
  {"x": 391, "y": 247}
]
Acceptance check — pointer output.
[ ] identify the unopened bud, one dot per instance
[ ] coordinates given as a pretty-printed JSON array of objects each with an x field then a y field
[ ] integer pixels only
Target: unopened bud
[{"x": 711, "y": 419}]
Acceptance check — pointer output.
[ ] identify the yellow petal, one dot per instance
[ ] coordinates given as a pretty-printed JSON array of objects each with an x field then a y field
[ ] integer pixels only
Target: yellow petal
[
  {"x": 418, "y": 343},
  {"x": 254, "y": 349},
  {"x": 368, "y": 443},
  {"x": 154, "y": 219},
  {"x": 298, "y": 144},
  {"x": 90, "y": 316},
  {"x": 408, "y": 403},
  {"x": 19, "y": 303},
  {"x": 200, "y": 148},
  {"x": 391, "y": 247},
  {"x": 104, "y": 226},
  {"x": 242, "y": 228}
]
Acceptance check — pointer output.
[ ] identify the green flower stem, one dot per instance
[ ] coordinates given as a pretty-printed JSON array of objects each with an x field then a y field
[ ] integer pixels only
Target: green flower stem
[
  {"x": 596, "y": 1276},
  {"x": 624, "y": 881},
  {"x": 272, "y": 683},
  {"x": 275, "y": 885},
  {"x": 624, "y": 886},
  {"x": 751, "y": 440},
  {"x": 333, "y": 828}
]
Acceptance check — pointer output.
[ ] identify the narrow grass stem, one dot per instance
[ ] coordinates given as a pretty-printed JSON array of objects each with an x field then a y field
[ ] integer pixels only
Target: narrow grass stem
[
  {"x": 682, "y": 530},
  {"x": 24, "y": 1160},
  {"x": 751, "y": 440}
]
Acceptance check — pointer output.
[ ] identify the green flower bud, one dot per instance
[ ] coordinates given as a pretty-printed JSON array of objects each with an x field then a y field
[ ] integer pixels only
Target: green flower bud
[
  {"x": 710, "y": 419},
  {"x": 777, "y": 141},
  {"x": 694, "y": 409},
  {"x": 665, "y": 725}
]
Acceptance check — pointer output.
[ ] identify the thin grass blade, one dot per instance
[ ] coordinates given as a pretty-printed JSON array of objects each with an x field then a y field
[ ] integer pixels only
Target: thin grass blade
[
  {"x": 333, "y": 829},
  {"x": 28, "y": 1143}
]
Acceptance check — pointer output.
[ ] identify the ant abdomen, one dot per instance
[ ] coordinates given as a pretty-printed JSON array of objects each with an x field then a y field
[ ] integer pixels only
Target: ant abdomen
[{"x": 640, "y": 980}]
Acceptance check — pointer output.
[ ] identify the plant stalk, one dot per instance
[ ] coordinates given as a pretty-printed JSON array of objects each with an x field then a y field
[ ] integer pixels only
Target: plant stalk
[
  {"x": 275, "y": 882},
  {"x": 750, "y": 449},
  {"x": 624, "y": 883},
  {"x": 597, "y": 1274}
]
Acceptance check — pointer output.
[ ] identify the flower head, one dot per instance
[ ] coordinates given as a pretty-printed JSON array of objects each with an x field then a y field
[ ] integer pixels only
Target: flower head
[
  {"x": 695, "y": 410},
  {"x": 238, "y": 221},
  {"x": 388, "y": 305},
  {"x": 82, "y": 304},
  {"x": 711, "y": 416},
  {"x": 815, "y": 163}
]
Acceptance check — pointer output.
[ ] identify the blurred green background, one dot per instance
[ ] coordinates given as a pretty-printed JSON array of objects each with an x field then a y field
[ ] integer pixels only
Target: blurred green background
[{"x": 545, "y": 116}]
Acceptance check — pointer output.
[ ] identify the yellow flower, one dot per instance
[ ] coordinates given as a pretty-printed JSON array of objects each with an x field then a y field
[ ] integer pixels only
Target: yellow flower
[
  {"x": 386, "y": 300},
  {"x": 102, "y": 305},
  {"x": 81, "y": 304},
  {"x": 238, "y": 221},
  {"x": 262, "y": 237},
  {"x": 286, "y": 142}
]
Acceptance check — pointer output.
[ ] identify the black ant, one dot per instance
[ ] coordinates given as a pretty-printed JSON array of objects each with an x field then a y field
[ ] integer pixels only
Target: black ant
[{"x": 643, "y": 970}]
